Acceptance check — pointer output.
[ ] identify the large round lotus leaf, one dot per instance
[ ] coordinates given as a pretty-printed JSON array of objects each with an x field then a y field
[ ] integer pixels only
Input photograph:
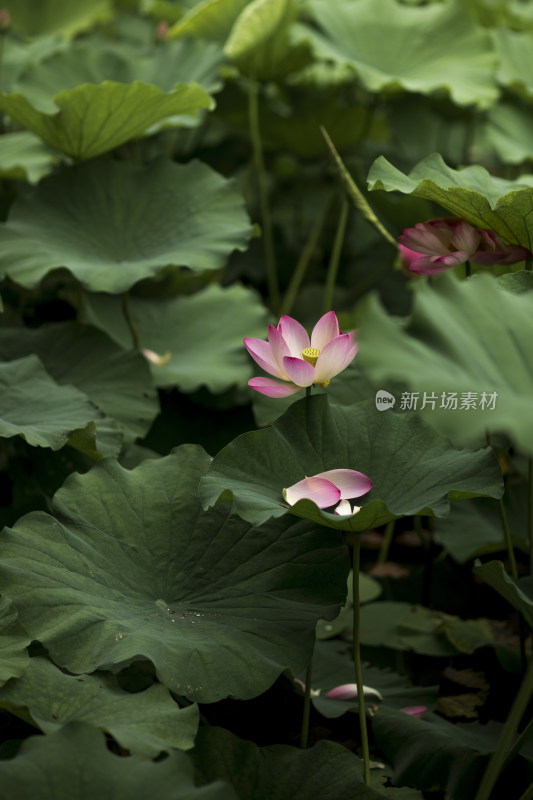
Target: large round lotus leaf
[
  {"x": 76, "y": 763},
  {"x": 202, "y": 332},
  {"x": 133, "y": 568},
  {"x": 112, "y": 224},
  {"x": 462, "y": 337},
  {"x": 24, "y": 157},
  {"x": 413, "y": 470},
  {"x": 92, "y": 120},
  {"x": 13, "y": 643},
  {"x": 508, "y": 130},
  {"x": 57, "y": 16},
  {"x": 118, "y": 382},
  {"x": 515, "y": 69},
  {"x": 143, "y": 722},
  {"x": 472, "y": 193},
  {"x": 428, "y": 48},
  {"x": 34, "y": 406},
  {"x": 210, "y": 19},
  {"x": 279, "y": 772}
]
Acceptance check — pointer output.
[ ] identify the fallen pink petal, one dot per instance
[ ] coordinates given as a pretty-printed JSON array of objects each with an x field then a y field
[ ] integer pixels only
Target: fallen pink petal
[
  {"x": 348, "y": 691},
  {"x": 326, "y": 489},
  {"x": 414, "y": 711}
]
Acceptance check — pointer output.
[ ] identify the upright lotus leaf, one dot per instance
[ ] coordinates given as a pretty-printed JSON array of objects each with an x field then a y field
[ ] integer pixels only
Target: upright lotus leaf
[
  {"x": 210, "y": 19},
  {"x": 202, "y": 332},
  {"x": 76, "y": 762},
  {"x": 57, "y": 16},
  {"x": 519, "y": 596},
  {"x": 132, "y": 568},
  {"x": 413, "y": 470},
  {"x": 428, "y": 48},
  {"x": 279, "y": 772},
  {"x": 471, "y": 193},
  {"x": 143, "y": 722},
  {"x": 24, "y": 157},
  {"x": 433, "y": 753},
  {"x": 515, "y": 70},
  {"x": 112, "y": 224},
  {"x": 463, "y": 338},
  {"x": 260, "y": 44},
  {"x": 13, "y": 643},
  {"x": 95, "y": 119},
  {"x": 508, "y": 130},
  {"x": 34, "y": 406},
  {"x": 118, "y": 382}
]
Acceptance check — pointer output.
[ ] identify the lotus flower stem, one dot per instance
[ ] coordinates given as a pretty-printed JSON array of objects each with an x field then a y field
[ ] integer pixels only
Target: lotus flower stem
[
  {"x": 387, "y": 541},
  {"x": 304, "y": 735},
  {"x": 468, "y": 271},
  {"x": 530, "y": 513},
  {"x": 505, "y": 525},
  {"x": 529, "y": 263},
  {"x": 513, "y": 720},
  {"x": 333, "y": 265},
  {"x": 303, "y": 262},
  {"x": 129, "y": 320},
  {"x": 356, "y": 562},
  {"x": 308, "y": 390},
  {"x": 266, "y": 219}
]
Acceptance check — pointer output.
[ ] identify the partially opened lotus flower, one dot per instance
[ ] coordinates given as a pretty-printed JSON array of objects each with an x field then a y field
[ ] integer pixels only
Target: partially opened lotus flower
[
  {"x": 439, "y": 244},
  {"x": 298, "y": 360},
  {"x": 335, "y": 487}
]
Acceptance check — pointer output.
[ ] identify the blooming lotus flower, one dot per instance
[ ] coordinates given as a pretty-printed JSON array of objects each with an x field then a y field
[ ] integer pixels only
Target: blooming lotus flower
[
  {"x": 298, "y": 360},
  {"x": 335, "y": 486},
  {"x": 439, "y": 244}
]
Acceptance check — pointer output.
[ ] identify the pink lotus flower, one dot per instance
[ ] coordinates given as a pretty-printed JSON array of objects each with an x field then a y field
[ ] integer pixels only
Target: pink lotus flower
[
  {"x": 348, "y": 691},
  {"x": 328, "y": 488},
  {"x": 438, "y": 244},
  {"x": 290, "y": 355}
]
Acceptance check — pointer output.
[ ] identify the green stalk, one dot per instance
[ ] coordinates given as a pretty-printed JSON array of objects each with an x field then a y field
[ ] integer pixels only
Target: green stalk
[
  {"x": 467, "y": 269},
  {"x": 356, "y": 563},
  {"x": 303, "y": 262},
  {"x": 333, "y": 266},
  {"x": 304, "y": 735},
  {"x": 529, "y": 263},
  {"x": 387, "y": 541},
  {"x": 308, "y": 391},
  {"x": 530, "y": 514},
  {"x": 505, "y": 525},
  {"x": 528, "y": 794},
  {"x": 129, "y": 320},
  {"x": 266, "y": 219},
  {"x": 520, "y": 742},
  {"x": 513, "y": 720}
]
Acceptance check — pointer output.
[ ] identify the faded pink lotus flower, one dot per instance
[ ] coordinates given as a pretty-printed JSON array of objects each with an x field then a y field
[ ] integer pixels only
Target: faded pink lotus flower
[
  {"x": 439, "y": 244},
  {"x": 335, "y": 486},
  {"x": 348, "y": 691},
  {"x": 290, "y": 355},
  {"x": 414, "y": 711}
]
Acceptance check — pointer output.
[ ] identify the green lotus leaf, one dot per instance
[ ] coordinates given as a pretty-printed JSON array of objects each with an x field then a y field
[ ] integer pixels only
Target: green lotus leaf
[
  {"x": 333, "y": 666},
  {"x": 24, "y": 157},
  {"x": 449, "y": 51},
  {"x": 210, "y": 19},
  {"x": 325, "y": 772},
  {"x": 202, "y": 332},
  {"x": 117, "y": 382},
  {"x": 13, "y": 643},
  {"x": 508, "y": 130},
  {"x": 471, "y": 193},
  {"x": 92, "y": 120},
  {"x": 412, "y": 469},
  {"x": 131, "y": 568},
  {"x": 35, "y": 407},
  {"x": 143, "y": 722},
  {"x": 260, "y": 43},
  {"x": 112, "y": 224},
  {"x": 462, "y": 337},
  {"x": 76, "y": 762},
  {"x": 519, "y": 596},
  {"x": 57, "y": 16},
  {"x": 515, "y": 70}
]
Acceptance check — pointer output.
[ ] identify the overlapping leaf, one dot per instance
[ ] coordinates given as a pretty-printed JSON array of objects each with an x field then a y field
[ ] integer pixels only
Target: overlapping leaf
[
  {"x": 144, "y": 722},
  {"x": 57, "y": 16},
  {"x": 112, "y": 224},
  {"x": 428, "y": 48},
  {"x": 13, "y": 643},
  {"x": 462, "y": 336},
  {"x": 210, "y": 19},
  {"x": 487, "y": 202},
  {"x": 412, "y": 469},
  {"x": 24, "y": 156},
  {"x": 92, "y": 120},
  {"x": 132, "y": 568},
  {"x": 203, "y": 334},
  {"x": 76, "y": 762}
]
